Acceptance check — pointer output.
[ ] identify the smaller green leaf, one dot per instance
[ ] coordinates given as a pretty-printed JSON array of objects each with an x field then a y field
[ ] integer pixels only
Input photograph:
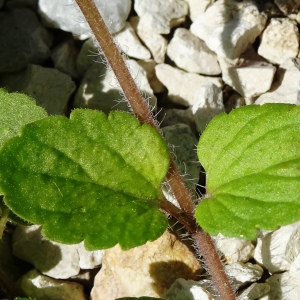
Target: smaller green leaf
[
  {"x": 91, "y": 177},
  {"x": 252, "y": 163},
  {"x": 16, "y": 110}
]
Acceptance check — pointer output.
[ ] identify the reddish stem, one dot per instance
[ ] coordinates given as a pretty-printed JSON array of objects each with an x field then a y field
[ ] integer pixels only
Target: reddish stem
[{"x": 143, "y": 113}]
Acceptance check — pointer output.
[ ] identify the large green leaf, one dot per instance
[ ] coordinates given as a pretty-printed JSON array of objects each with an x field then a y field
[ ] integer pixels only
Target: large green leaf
[
  {"x": 90, "y": 177},
  {"x": 252, "y": 161},
  {"x": 16, "y": 110}
]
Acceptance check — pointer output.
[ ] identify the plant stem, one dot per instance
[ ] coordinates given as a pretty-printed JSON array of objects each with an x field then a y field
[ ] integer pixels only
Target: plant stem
[
  {"x": 214, "y": 266},
  {"x": 143, "y": 113},
  {"x": 3, "y": 220}
]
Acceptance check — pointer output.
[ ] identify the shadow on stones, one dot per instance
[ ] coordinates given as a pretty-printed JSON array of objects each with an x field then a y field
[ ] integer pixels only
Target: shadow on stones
[
  {"x": 165, "y": 273},
  {"x": 47, "y": 255}
]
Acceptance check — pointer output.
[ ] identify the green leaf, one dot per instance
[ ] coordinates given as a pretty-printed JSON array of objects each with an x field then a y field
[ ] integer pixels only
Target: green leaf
[
  {"x": 252, "y": 163},
  {"x": 90, "y": 177},
  {"x": 16, "y": 110}
]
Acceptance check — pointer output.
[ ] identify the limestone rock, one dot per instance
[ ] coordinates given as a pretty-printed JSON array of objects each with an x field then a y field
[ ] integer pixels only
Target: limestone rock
[
  {"x": 279, "y": 249},
  {"x": 209, "y": 103},
  {"x": 284, "y": 286},
  {"x": 155, "y": 42},
  {"x": 279, "y": 41},
  {"x": 23, "y": 43},
  {"x": 288, "y": 6},
  {"x": 130, "y": 44},
  {"x": 50, "y": 88},
  {"x": 229, "y": 27},
  {"x": 53, "y": 259},
  {"x": 183, "y": 87},
  {"x": 250, "y": 75},
  {"x": 234, "y": 249},
  {"x": 148, "y": 270},
  {"x": 182, "y": 141},
  {"x": 161, "y": 15},
  {"x": 13, "y": 4},
  {"x": 10, "y": 267},
  {"x": 197, "y": 7},
  {"x": 87, "y": 56},
  {"x": 100, "y": 90},
  {"x": 242, "y": 273},
  {"x": 254, "y": 291},
  {"x": 234, "y": 101},
  {"x": 173, "y": 116},
  {"x": 64, "y": 57},
  {"x": 88, "y": 259},
  {"x": 183, "y": 289},
  {"x": 191, "y": 54},
  {"x": 149, "y": 66},
  {"x": 54, "y": 12},
  {"x": 286, "y": 87},
  {"x": 38, "y": 286}
]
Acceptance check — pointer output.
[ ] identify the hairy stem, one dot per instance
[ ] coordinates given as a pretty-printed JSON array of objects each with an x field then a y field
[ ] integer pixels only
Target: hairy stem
[
  {"x": 3, "y": 220},
  {"x": 143, "y": 113},
  {"x": 214, "y": 266}
]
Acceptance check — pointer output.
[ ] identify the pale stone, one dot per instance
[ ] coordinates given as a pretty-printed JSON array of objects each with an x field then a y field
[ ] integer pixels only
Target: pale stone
[
  {"x": 13, "y": 4},
  {"x": 172, "y": 116},
  {"x": 130, "y": 44},
  {"x": 279, "y": 249},
  {"x": 295, "y": 265},
  {"x": 229, "y": 27},
  {"x": 50, "y": 88},
  {"x": 197, "y": 7},
  {"x": 148, "y": 270},
  {"x": 234, "y": 249},
  {"x": 288, "y": 6},
  {"x": 23, "y": 40},
  {"x": 286, "y": 88},
  {"x": 10, "y": 268},
  {"x": 66, "y": 15},
  {"x": 38, "y": 286},
  {"x": 64, "y": 57},
  {"x": 250, "y": 75},
  {"x": 234, "y": 101},
  {"x": 156, "y": 43},
  {"x": 254, "y": 291},
  {"x": 182, "y": 141},
  {"x": 271, "y": 9},
  {"x": 100, "y": 90},
  {"x": 88, "y": 259},
  {"x": 241, "y": 273},
  {"x": 87, "y": 56},
  {"x": 161, "y": 15},
  {"x": 183, "y": 87},
  {"x": 53, "y": 259},
  {"x": 149, "y": 67},
  {"x": 209, "y": 103},
  {"x": 279, "y": 41},
  {"x": 191, "y": 54},
  {"x": 284, "y": 286},
  {"x": 187, "y": 290}
]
